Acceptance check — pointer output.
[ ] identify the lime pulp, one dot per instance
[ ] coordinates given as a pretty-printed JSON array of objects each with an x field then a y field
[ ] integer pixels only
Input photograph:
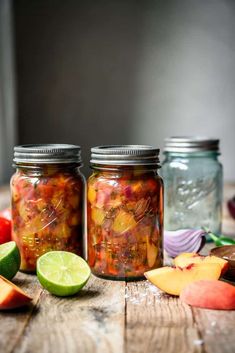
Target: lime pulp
[{"x": 62, "y": 273}]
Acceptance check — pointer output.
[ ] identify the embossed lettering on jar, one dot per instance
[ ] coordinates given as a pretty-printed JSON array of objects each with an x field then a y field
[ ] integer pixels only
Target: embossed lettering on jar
[
  {"x": 193, "y": 183},
  {"x": 125, "y": 212},
  {"x": 47, "y": 201}
]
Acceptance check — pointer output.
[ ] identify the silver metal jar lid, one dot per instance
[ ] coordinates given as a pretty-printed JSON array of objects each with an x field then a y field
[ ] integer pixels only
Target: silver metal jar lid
[
  {"x": 186, "y": 144},
  {"x": 125, "y": 155},
  {"x": 47, "y": 153}
]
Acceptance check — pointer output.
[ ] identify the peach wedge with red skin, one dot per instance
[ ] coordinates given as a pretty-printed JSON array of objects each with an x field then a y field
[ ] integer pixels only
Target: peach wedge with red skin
[
  {"x": 210, "y": 295},
  {"x": 173, "y": 280},
  {"x": 11, "y": 296},
  {"x": 186, "y": 259}
]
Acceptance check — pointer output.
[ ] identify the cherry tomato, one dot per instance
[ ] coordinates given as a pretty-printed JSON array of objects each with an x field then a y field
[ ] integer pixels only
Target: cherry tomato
[{"x": 5, "y": 230}]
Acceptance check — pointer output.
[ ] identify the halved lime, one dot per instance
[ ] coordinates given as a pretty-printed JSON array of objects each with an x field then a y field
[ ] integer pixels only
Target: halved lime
[
  {"x": 62, "y": 273},
  {"x": 9, "y": 259}
]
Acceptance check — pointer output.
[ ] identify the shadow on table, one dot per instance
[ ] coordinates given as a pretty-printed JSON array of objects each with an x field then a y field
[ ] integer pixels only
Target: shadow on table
[{"x": 85, "y": 294}]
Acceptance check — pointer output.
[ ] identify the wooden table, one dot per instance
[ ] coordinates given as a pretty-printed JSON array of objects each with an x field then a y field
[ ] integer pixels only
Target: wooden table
[{"x": 115, "y": 317}]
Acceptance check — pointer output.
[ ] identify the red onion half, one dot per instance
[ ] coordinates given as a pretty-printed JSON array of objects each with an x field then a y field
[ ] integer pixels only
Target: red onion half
[
  {"x": 183, "y": 240},
  {"x": 231, "y": 207}
]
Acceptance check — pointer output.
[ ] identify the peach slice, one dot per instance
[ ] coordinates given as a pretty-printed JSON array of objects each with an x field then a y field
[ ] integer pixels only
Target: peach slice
[
  {"x": 209, "y": 294},
  {"x": 11, "y": 296},
  {"x": 186, "y": 259},
  {"x": 172, "y": 280},
  {"x": 123, "y": 222}
]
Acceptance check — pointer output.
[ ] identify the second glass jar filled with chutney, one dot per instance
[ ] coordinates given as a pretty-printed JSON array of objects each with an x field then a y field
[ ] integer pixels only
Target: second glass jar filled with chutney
[{"x": 125, "y": 212}]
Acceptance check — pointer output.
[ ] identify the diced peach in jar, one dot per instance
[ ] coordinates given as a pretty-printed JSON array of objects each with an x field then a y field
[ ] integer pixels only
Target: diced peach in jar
[
  {"x": 97, "y": 215},
  {"x": 91, "y": 195},
  {"x": 123, "y": 222},
  {"x": 137, "y": 187}
]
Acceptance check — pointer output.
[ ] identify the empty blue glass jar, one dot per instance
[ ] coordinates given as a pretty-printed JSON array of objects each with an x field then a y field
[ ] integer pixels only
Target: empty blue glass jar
[{"x": 193, "y": 180}]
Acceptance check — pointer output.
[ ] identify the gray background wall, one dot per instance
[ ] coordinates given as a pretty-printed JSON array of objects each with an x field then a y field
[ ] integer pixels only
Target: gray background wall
[
  {"x": 8, "y": 126},
  {"x": 101, "y": 72}
]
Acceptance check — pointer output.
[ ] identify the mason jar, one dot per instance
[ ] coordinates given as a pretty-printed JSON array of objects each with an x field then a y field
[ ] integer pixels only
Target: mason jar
[
  {"x": 125, "y": 212},
  {"x": 47, "y": 193},
  {"x": 193, "y": 183}
]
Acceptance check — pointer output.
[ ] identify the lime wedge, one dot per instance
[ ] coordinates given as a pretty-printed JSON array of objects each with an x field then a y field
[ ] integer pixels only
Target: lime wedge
[
  {"x": 9, "y": 259},
  {"x": 62, "y": 273}
]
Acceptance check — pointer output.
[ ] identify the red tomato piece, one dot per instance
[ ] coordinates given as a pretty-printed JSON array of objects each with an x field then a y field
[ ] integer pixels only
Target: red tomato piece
[{"x": 5, "y": 230}]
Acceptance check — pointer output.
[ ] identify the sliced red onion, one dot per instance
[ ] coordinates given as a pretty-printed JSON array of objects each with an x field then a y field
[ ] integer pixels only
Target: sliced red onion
[
  {"x": 231, "y": 206},
  {"x": 183, "y": 240}
]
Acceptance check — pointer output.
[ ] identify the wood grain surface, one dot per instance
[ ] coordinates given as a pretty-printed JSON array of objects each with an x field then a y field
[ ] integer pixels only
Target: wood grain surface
[
  {"x": 92, "y": 321},
  {"x": 159, "y": 323},
  {"x": 114, "y": 317},
  {"x": 217, "y": 329}
]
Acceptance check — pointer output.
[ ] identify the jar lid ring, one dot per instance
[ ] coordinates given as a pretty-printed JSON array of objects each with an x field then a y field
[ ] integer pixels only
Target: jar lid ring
[
  {"x": 125, "y": 155},
  {"x": 191, "y": 144},
  {"x": 47, "y": 153}
]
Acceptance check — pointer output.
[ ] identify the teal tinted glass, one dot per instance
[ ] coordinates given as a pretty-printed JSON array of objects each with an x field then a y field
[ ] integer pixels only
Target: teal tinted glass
[{"x": 193, "y": 190}]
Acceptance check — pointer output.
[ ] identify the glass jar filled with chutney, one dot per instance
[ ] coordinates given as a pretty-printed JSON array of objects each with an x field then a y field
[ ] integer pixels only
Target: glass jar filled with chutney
[
  {"x": 124, "y": 212},
  {"x": 47, "y": 193}
]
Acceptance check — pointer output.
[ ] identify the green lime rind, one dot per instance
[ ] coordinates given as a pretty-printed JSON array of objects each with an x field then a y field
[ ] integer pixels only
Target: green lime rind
[
  {"x": 9, "y": 259},
  {"x": 62, "y": 273}
]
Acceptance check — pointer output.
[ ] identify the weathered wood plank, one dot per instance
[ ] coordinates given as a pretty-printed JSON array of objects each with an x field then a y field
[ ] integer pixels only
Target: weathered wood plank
[
  {"x": 217, "y": 329},
  {"x": 13, "y": 323},
  {"x": 158, "y": 323},
  {"x": 93, "y": 321}
]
